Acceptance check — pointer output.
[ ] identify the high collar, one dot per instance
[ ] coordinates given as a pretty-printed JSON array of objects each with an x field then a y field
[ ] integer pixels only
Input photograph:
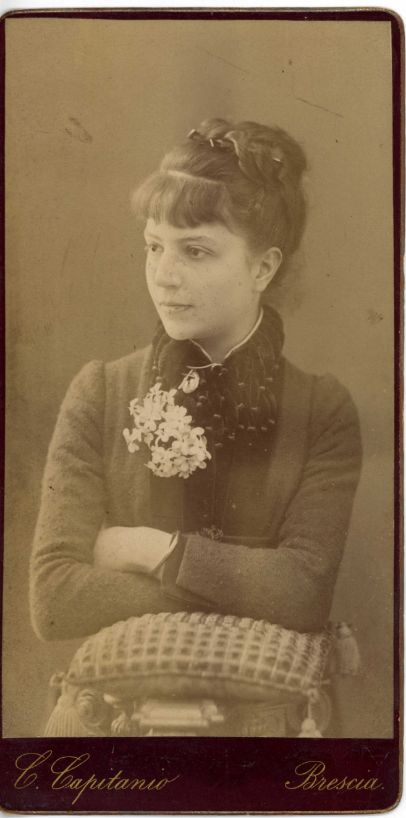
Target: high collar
[
  {"x": 262, "y": 346},
  {"x": 236, "y": 346}
]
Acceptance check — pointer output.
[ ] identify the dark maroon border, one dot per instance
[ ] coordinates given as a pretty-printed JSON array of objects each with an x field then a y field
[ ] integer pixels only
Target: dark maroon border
[
  {"x": 218, "y": 774},
  {"x": 220, "y": 14},
  {"x": 2, "y": 325}
]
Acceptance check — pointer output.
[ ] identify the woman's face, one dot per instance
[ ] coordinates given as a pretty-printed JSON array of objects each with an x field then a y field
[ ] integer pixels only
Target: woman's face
[{"x": 204, "y": 283}]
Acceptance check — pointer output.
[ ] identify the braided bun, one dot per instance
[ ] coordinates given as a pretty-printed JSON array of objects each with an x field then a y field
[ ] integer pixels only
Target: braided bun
[
  {"x": 246, "y": 175},
  {"x": 266, "y": 155}
]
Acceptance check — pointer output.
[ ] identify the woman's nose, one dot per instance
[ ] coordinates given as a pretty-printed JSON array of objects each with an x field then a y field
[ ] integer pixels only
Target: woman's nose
[{"x": 167, "y": 272}]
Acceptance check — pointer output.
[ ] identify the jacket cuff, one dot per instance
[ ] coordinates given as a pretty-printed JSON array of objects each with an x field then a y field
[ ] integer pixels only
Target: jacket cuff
[
  {"x": 203, "y": 568},
  {"x": 169, "y": 582}
]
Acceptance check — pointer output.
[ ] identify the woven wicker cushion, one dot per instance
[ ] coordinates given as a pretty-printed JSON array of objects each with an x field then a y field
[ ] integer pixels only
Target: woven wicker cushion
[{"x": 197, "y": 654}]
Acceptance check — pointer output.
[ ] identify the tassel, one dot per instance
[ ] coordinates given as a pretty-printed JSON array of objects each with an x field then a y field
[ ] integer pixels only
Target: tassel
[
  {"x": 309, "y": 729},
  {"x": 348, "y": 659},
  {"x": 64, "y": 720},
  {"x": 78, "y": 713}
]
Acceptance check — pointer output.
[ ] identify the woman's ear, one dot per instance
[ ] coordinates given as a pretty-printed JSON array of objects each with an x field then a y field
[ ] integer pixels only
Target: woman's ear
[{"x": 267, "y": 267}]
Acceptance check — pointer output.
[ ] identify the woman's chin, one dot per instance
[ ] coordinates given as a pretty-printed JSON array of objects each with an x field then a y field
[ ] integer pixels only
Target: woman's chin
[
  {"x": 177, "y": 327},
  {"x": 178, "y": 333}
]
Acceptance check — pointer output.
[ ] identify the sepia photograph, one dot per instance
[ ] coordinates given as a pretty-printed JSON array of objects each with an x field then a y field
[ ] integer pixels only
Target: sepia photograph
[{"x": 200, "y": 362}]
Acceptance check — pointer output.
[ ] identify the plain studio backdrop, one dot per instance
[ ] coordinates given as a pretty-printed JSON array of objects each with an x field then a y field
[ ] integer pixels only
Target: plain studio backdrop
[{"x": 91, "y": 106}]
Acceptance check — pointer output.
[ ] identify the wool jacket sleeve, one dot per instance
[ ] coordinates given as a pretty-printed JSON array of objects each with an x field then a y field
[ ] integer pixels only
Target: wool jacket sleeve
[
  {"x": 291, "y": 581},
  {"x": 69, "y": 596}
]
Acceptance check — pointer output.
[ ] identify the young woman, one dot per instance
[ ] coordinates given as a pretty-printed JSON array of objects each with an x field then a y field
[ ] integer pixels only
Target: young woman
[{"x": 251, "y": 516}]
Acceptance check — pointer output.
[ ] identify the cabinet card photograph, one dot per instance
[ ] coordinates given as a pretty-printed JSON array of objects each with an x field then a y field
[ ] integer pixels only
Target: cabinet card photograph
[{"x": 202, "y": 314}]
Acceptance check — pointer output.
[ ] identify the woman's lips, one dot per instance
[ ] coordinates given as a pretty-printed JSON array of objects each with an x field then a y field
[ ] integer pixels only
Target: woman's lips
[{"x": 174, "y": 308}]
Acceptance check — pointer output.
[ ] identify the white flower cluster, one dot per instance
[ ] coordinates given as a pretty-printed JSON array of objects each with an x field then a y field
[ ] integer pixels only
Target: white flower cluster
[{"x": 177, "y": 448}]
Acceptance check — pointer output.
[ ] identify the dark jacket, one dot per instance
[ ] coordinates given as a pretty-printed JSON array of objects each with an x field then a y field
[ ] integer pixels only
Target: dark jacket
[{"x": 289, "y": 524}]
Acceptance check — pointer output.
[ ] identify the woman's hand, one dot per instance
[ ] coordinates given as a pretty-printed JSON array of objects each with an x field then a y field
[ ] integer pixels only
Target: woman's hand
[{"x": 138, "y": 549}]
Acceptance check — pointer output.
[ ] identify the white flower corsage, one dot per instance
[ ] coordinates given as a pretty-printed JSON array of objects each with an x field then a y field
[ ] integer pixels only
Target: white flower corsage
[{"x": 177, "y": 448}]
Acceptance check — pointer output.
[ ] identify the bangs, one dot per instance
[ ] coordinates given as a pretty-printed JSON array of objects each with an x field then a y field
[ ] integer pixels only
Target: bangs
[{"x": 182, "y": 200}]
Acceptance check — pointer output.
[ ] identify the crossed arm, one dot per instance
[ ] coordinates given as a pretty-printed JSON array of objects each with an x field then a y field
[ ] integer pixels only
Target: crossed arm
[
  {"x": 82, "y": 580},
  {"x": 138, "y": 549}
]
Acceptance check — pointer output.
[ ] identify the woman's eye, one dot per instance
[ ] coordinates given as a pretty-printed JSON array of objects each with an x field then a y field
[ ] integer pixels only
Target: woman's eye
[
  {"x": 151, "y": 248},
  {"x": 196, "y": 252}
]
